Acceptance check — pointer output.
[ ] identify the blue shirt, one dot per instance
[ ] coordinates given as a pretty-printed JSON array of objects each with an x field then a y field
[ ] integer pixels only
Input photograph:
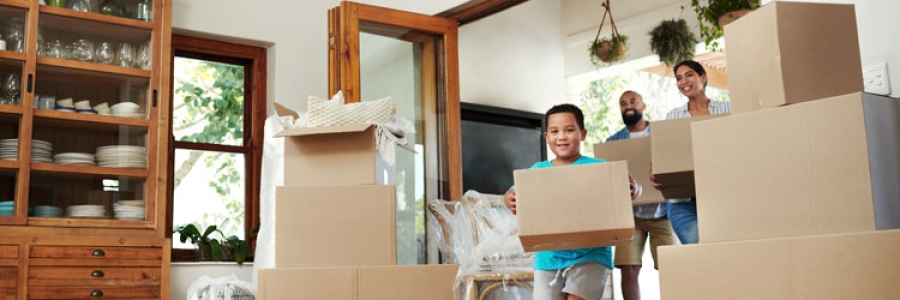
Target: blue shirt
[
  {"x": 646, "y": 211},
  {"x": 561, "y": 259}
]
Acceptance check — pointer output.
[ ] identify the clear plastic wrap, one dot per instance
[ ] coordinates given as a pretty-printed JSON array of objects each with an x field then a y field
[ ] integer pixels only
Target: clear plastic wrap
[
  {"x": 479, "y": 234},
  {"x": 222, "y": 288}
]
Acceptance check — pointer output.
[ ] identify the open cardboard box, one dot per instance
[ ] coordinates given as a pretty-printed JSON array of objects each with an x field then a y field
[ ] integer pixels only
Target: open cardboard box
[
  {"x": 333, "y": 155},
  {"x": 818, "y": 167},
  {"x": 574, "y": 206}
]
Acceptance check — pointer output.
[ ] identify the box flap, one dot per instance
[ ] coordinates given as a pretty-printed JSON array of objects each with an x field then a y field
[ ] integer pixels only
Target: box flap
[
  {"x": 302, "y": 131},
  {"x": 282, "y": 110}
]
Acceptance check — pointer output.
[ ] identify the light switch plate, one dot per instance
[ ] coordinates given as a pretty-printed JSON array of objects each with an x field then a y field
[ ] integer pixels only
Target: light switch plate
[{"x": 875, "y": 79}]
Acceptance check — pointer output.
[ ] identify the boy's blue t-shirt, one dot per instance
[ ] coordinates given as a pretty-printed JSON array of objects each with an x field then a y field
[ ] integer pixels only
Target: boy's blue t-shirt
[{"x": 561, "y": 259}]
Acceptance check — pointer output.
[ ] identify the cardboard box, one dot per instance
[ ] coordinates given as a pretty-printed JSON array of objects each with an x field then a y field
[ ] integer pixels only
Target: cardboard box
[
  {"x": 432, "y": 282},
  {"x": 637, "y": 153},
  {"x": 334, "y": 155},
  {"x": 792, "y": 52},
  {"x": 841, "y": 266},
  {"x": 672, "y": 156},
  {"x": 574, "y": 206},
  {"x": 335, "y": 226},
  {"x": 820, "y": 167}
]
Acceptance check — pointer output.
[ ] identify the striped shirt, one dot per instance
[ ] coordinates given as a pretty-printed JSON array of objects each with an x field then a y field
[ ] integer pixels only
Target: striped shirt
[{"x": 715, "y": 108}]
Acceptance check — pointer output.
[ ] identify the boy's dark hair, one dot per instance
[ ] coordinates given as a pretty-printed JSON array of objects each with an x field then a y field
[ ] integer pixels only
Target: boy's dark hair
[{"x": 566, "y": 108}]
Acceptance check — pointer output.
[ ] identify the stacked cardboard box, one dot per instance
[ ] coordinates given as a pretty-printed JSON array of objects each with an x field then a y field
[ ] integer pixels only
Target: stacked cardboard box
[
  {"x": 336, "y": 224},
  {"x": 792, "y": 188}
]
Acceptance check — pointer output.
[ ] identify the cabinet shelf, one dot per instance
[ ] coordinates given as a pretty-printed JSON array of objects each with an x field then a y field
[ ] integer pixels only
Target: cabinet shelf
[
  {"x": 78, "y": 68},
  {"x": 12, "y": 55},
  {"x": 96, "y": 25},
  {"x": 87, "y": 170},
  {"x": 87, "y": 222},
  {"x": 16, "y": 3},
  {"x": 10, "y": 110},
  {"x": 97, "y": 122},
  {"x": 9, "y": 164}
]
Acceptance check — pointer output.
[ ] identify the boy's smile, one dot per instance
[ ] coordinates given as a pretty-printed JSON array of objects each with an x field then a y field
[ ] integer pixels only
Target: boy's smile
[{"x": 564, "y": 137}]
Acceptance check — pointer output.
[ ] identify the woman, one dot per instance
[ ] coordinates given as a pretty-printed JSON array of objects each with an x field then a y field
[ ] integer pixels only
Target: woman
[{"x": 691, "y": 79}]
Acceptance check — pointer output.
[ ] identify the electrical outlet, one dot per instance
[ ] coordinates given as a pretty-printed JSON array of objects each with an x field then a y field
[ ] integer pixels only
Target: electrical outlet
[{"x": 875, "y": 79}]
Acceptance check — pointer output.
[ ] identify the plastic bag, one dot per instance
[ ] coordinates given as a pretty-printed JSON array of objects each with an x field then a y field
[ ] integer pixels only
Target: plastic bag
[{"x": 222, "y": 288}]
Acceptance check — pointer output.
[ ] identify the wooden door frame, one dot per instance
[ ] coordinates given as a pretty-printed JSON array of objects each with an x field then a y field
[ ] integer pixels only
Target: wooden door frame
[{"x": 344, "y": 75}]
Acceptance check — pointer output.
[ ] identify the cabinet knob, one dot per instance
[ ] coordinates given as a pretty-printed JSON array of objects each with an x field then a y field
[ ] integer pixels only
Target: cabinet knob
[
  {"x": 97, "y": 273},
  {"x": 98, "y": 252},
  {"x": 96, "y": 293}
]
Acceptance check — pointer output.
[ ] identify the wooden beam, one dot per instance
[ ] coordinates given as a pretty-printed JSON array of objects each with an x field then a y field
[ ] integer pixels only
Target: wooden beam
[
  {"x": 713, "y": 63},
  {"x": 474, "y": 10}
]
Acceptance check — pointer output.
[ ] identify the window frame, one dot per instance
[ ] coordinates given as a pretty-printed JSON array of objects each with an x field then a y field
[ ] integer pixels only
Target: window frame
[{"x": 254, "y": 61}]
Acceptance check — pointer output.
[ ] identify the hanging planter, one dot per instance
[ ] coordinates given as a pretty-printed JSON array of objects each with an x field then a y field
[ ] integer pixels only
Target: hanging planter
[
  {"x": 608, "y": 49},
  {"x": 673, "y": 41},
  {"x": 716, "y": 13}
]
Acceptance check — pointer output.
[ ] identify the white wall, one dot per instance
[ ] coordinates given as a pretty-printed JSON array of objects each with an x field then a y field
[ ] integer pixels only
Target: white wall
[{"x": 514, "y": 59}]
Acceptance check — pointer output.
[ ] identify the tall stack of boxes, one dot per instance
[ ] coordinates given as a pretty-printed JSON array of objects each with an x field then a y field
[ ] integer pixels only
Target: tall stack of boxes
[
  {"x": 336, "y": 227},
  {"x": 798, "y": 190}
]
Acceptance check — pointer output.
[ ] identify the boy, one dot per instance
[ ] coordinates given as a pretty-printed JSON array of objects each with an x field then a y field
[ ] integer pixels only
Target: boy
[{"x": 576, "y": 274}]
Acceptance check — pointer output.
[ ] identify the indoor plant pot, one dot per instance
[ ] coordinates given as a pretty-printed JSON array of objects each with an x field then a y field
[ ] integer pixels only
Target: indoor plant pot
[
  {"x": 673, "y": 41},
  {"x": 708, "y": 16},
  {"x": 609, "y": 49}
]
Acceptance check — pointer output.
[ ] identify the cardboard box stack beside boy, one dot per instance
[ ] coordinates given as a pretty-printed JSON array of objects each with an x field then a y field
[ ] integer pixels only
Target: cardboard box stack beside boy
[
  {"x": 803, "y": 176},
  {"x": 336, "y": 225}
]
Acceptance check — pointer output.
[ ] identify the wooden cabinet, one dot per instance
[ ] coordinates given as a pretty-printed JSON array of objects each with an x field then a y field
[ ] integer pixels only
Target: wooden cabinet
[{"x": 84, "y": 93}]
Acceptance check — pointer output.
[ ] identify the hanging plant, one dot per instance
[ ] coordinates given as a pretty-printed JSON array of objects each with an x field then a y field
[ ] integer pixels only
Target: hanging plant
[
  {"x": 673, "y": 41},
  {"x": 608, "y": 49},
  {"x": 709, "y": 17}
]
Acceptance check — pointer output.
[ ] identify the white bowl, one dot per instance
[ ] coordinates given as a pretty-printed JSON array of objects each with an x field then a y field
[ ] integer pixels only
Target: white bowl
[
  {"x": 83, "y": 104},
  {"x": 67, "y": 102}
]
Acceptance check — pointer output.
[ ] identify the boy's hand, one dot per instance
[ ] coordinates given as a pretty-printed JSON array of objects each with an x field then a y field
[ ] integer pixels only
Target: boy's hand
[
  {"x": 653, "y": 181},
  {"x": 509, "y": 199},
  {"x": 636, "y": 189}
]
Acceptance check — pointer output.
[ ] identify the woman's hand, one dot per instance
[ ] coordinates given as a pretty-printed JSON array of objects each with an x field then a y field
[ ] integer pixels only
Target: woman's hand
[
  {"x": 636, "y": 189},
  {"x": 653, "y": 181},
  {"x": 509, "y": 199}
]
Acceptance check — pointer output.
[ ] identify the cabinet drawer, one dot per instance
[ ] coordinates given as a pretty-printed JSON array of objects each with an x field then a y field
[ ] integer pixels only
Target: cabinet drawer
[
  {"x": 93, "y": 276},
  {"x": 7, "y": 251},
  {"x": 130, "y": 293},
  {"x": 95, "y": 256},
  {"x": 8, "y": 282}
]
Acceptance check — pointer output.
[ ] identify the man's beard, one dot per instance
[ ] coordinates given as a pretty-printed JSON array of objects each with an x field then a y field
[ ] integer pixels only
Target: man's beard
[{"x": 631, "y": 120}]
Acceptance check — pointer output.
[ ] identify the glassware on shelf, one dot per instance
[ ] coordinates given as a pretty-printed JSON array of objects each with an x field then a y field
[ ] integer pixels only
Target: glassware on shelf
[
  {"x": 80, "y": 5},
  {"x": 57, "y": 3},
  {"x": 142, "y": 12},
  {"x": 15, "y": 37},
  {"x": 110, "y": 7},
  {"x": 2, "y": 43},
  {"x": 12, "y": 86},
  {"x": 56, "y": 50},
  {"x": 125, "y": 56},
  {"x": 143, "y": 57},
  {"x": 83, "y": 50},
  {"x": 105, "y": 54}
]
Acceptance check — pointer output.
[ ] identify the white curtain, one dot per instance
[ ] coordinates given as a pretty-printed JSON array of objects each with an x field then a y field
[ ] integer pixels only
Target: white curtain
[{"x": 272, "y": 176}]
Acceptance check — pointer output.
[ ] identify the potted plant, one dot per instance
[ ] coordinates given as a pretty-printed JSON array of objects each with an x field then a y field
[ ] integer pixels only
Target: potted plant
[
  {"x": 212, "y": 249},
  {"x": 673, "y": 41},
  {"x": 709, "y": 16},
  {"x": 608, "y": 49}
]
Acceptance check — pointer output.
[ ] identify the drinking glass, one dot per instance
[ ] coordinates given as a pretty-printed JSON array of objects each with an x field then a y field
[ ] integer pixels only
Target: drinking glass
[
  {"x": 12, "y": 85},
  {"x": 143, "y": 57},
  {"x": 126, "y": 55},
  {"x": 105, "y": 54}
]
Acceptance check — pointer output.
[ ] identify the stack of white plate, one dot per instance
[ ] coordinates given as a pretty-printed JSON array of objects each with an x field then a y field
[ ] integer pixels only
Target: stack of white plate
[
  {"x": 129, "y": 210},
  {"x": 74, "y": 158},
  {"x": 47, "y": 211},
  {"x": 122, "y": 156},
  {"x": 86, "y": 211},
  {"x": 41, "y": 151}
]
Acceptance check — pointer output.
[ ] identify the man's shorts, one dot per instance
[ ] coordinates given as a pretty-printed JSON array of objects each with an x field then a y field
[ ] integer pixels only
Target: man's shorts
[
  {"x": 660, "y": 233},
  {"x": 586, "y": 280}
]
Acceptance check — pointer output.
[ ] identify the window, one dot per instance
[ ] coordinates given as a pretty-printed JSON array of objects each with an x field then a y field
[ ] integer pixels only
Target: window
[
  {"x": 600, "y": 102},
  {"x": 215, "y": 138}
]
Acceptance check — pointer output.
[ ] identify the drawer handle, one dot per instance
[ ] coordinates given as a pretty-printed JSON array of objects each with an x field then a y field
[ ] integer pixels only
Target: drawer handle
[
  {"x": 98, "y": 252},
  {"x": 97, "y": 273},
  {"x": 96, "y": 293}
]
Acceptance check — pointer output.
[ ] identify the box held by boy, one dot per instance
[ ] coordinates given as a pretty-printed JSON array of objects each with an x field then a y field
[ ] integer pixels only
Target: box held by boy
[
  {"x": 791, "y": 52},
  {"x": 335, "y": 226},
  {"x": 818, "y": 167},
  {"x": 574, "y": 207},
  {"x": 637, "y": 153},
  {"x": 672, "y": 157}
]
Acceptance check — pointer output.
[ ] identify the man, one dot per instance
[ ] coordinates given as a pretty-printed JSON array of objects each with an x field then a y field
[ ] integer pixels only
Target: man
[{"x": 650, "y": 219}]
